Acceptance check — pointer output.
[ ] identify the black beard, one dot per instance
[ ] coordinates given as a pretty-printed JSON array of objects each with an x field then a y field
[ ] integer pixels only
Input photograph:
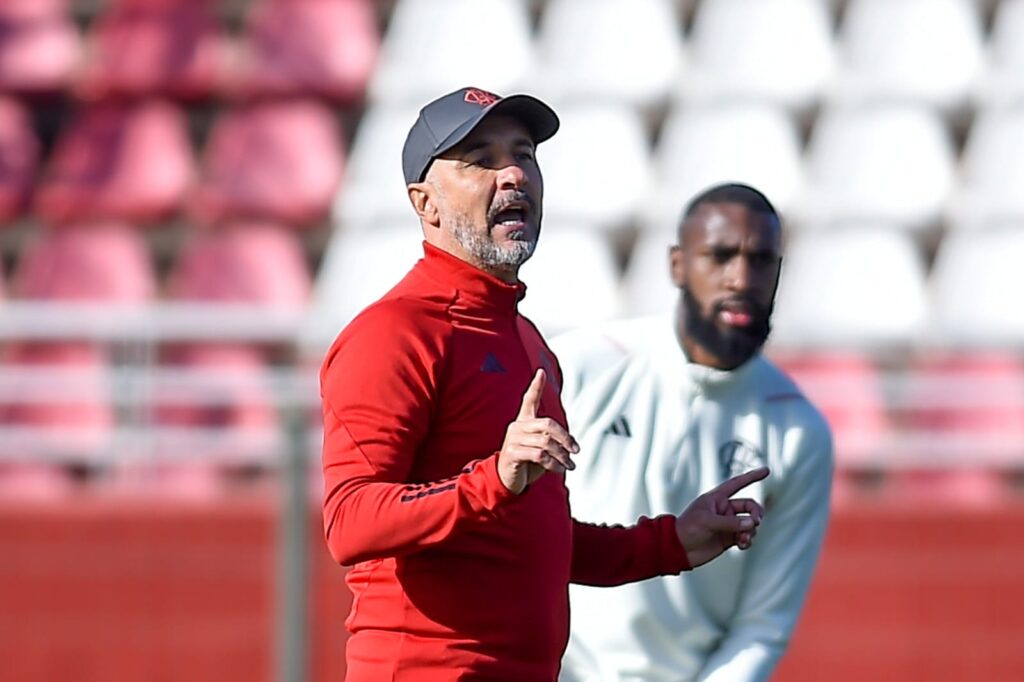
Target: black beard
[{"x": 733, "y": 346}]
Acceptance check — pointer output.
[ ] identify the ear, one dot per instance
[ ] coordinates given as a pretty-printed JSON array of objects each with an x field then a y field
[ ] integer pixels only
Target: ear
[
  {"x": 423, "y": 198},
  {"x": 677, "y": 265}
]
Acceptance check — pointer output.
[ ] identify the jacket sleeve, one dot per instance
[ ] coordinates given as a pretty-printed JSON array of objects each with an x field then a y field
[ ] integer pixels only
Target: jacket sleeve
[
  {"x": 779, "y": 568},
  {"x": 605, "y": 556},
  {"x": 379, "y": 391}
]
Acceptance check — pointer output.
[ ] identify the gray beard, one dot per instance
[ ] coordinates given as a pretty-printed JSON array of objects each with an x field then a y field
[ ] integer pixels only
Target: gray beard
[{"x": 488, "y": 254}]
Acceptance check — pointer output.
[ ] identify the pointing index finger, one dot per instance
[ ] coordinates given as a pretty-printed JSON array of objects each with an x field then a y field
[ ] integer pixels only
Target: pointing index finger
[
  {"x": 738, "y": 483},
  {"x": 531, "y": 399}
]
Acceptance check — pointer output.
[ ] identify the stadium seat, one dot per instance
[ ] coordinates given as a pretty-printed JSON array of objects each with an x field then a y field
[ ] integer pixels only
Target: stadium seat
[
  {"x": 977, "y": 287},
  {"x": 278, "y": 161},
  {"x": 861, "y": 286},
  {"x": 991, "y": 171},
  {"x": 647, "y": 286},
  {"x": 921, "y": 51},
  {"x": 356, "y": 270},
  {"x": 221, "y": 404},
  {"x": 891, "y": 164},
  {"x": 703, "y": 146},
  {"x": 847, "y": 387},
  {"x": 969, "y": 404},
  {"x": 480, "y": 43},
  {"x": 326, "y": 48},
  {"x": 964, "y": 487},
  {"x": 155, "y": 47},
  {"x": 96, "y": 263},
  {"x": 19, "y": 159},
  {"x": 119, "y": 162},
  {"x": 736, "y": 53},
  {"x": 39, "y": 46},
  {"x": 1003, "y": 82},
  {"x": 57, "y": 400},
  {"x": 21, "y": 481},
  {"x": 596, "y": 169},
  {"x": 583, "y": 53},
  {"x": 245, "y": 263},
  {"x": 558, "y": 299},
  {"x": 373, "y": 190}
]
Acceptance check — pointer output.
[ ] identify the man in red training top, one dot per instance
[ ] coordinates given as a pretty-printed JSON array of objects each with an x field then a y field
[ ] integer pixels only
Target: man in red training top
[{"x": 445, "y": 444}]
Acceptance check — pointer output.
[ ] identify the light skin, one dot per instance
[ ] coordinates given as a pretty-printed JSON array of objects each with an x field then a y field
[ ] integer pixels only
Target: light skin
[{"x": 481, "y": 201}]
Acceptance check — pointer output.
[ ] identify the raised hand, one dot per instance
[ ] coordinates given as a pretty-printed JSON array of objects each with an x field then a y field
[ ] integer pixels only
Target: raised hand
[
  {"x": 713, "y": 522},
  {"x": 534, "y": 445}
]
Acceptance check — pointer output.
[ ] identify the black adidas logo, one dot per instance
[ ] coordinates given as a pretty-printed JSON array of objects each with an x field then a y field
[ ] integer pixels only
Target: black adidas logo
[
  {"x": 619, "y": 427},
  {"x": 491, "y": 365}
]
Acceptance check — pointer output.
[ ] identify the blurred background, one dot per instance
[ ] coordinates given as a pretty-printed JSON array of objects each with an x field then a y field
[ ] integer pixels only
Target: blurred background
[{"x": 196, "y": 195}]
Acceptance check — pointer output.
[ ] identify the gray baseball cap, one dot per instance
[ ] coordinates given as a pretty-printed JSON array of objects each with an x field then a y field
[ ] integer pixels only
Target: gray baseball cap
[{"x": 446, "y": 121}]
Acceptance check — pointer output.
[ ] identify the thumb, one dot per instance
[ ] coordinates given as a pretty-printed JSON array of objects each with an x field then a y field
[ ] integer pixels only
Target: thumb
[{"x": 531, "y": 399}]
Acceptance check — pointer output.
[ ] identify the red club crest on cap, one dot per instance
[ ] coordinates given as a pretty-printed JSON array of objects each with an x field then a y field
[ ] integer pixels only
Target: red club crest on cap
[{"x": 481, "y": 97}]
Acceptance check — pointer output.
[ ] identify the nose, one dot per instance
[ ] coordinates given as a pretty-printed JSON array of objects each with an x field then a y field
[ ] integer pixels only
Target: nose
[
  {"x": 511, "y": 176},
  {"x": 737, "y": 274}
]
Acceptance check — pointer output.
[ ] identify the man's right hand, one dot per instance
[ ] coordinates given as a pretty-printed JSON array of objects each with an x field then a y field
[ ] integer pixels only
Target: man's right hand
[{"x": 534, "y": 445}]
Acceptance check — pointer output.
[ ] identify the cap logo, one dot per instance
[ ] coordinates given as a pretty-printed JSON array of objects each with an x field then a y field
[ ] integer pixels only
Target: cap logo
[{"x": 481, "y": 97}]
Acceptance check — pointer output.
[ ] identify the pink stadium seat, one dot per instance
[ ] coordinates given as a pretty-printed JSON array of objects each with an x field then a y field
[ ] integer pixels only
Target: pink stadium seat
[
  {"x": 123, "y": 162},
  {"x": 253, "y": 263},
  {"x": 310, "y": 47},
  {"x": 76, "y": 425},
  {"x": 102, "y": 262},
  {"x": 144, "y": 47},
  {"x": 33, "y": 481},
  {"x": 272, "y": 161},
  {"x": 847, "y": 388},
  {"x": 19, "y": 158},
  {"x": 38, "y": 46}
]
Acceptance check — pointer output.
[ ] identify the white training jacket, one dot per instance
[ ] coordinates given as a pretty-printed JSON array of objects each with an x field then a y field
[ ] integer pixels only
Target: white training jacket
[{"x": 655, "y": 431}]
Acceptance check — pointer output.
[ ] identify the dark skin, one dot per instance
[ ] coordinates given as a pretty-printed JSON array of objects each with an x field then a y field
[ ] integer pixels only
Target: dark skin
[{"x": 728, "y": 259}]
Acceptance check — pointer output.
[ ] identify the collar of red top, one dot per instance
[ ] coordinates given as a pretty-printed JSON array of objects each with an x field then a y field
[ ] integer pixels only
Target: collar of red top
[{"x": 472, "y": 282}]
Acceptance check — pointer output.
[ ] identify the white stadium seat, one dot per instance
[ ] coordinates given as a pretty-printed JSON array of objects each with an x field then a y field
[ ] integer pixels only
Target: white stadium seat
[
  {"x": 776, "y": 51},
  {"x": 357, "y": 269},
  {"x": 582, "y": 53},
  {"x": 977, "y": 286},
  {"x": 647, "y": 285},
  {"x": 992, "y": 170},
  {"x": 436, "y": 46},
  {"x": 1004, "y": 81},
  {"x": 862, "y": 286},
  {"x": 925, "y": 51},
  {"x": 889, "y": 163},
  {"x": 754, "y": 144},
  {"x": 571, "y": 280},
  {"x": 373, "y": 190},
  {"x": 597, "y": 168}
]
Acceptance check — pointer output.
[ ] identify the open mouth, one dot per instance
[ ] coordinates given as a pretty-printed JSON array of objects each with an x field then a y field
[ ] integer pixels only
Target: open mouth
[{"x": 511, "y": 216}]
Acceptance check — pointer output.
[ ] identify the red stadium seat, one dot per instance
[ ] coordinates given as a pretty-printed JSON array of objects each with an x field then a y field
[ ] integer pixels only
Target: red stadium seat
[
  {"x": 271, "y": 161},
  {"x": 121, "y": 162},
  {"x": 98, "y": 263},
  {"x": 253, "y": 263},
  {"x": 19, "y": 159},
  {"x": 38, "y": 46},
  {"x": 325, "y": 48},
  {"x": 967, "y": 411},
  {"x": 145, "y": 47}
]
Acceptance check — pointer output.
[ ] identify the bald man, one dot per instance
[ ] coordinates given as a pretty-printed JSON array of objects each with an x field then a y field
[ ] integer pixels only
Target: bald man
[{"x": 665, "y": 408}]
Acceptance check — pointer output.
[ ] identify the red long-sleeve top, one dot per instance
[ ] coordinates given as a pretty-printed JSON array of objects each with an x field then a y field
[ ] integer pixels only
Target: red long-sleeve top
[{"x": 453, "y": 576}]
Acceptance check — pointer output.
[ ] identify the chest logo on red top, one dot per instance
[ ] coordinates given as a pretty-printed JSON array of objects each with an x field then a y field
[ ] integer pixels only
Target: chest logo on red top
[{"x": 491, "y": 365}]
